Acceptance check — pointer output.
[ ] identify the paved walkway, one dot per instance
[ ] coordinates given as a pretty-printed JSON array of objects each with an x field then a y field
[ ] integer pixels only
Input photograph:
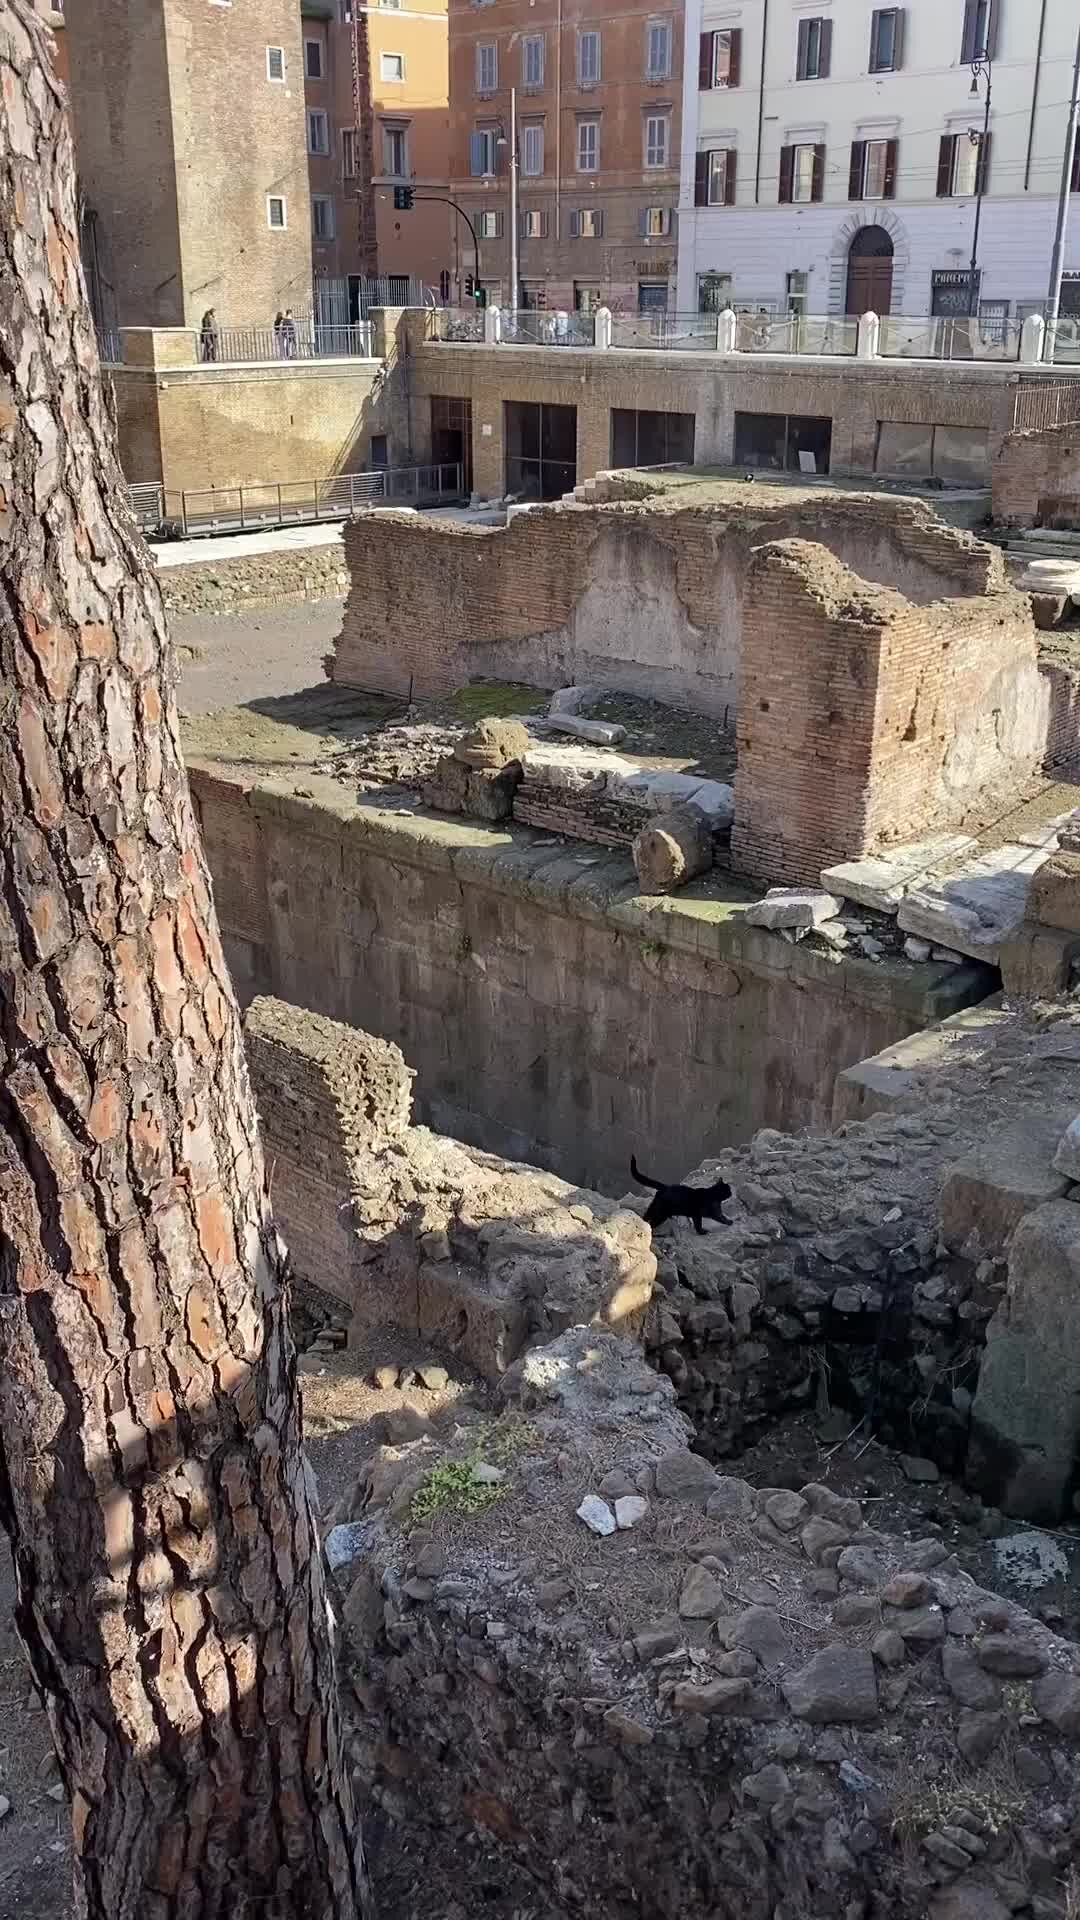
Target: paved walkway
[{"x": 242, "y": 546}]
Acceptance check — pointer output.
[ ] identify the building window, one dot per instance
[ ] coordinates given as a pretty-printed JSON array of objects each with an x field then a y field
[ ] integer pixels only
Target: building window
[
  {"x": 588, "y": 59},
  {"x": 318, "y": 131},
  {"x": 963, "y": 165},
  {"x": 719, "y": 59},
  {"x": 349, "y": 167},
  {"x": 658, "y": 50},
  {"x": 652, "y": 296},
  {"x": 482, "y": 151},
  {"x": 656, "y": 140},
  {"x": 651, "y": 439},
  {"x": 873, "y": 170},
  {"x": 886, "y": 39},
  {"x": 714, "y": 178},
  {"x": 714, "y": 292},
  {"x": 532, "y": 62},
  {"x": 586, "y": 298},
  {"x": 978, "y": 41},
  {"x": 275, "y": 63},
  {"x": 814, "y": 51},
  {"x": 322, "y": 217},
  {"x": 487, "y": 66},
  {"x": 534, "y": 224},
  {"x": 588, "y": 146},
  {"x": 802, "y": 174},
  {"x": 489, "y": 223},
  {"x": 313, "y": 59},
  {"x": 275, "y": 212},
  {"x": 532, "y": 149},
  {"x": 395, "y": 152},
  {"x": 392, "y": 66},
  {"x": 654, "y": 223},
  {"x": 587, "y": 224}
]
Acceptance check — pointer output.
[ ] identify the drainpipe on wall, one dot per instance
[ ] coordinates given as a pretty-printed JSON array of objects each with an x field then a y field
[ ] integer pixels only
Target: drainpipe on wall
[
  {"x": 761, "y": 100},
  {"x": 558, "y": 123},
  {"x": 1034, "y": 95}
]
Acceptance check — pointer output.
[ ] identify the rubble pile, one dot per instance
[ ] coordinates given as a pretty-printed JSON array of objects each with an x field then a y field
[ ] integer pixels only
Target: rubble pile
[
  {"x": 608, "y": 798},
  {"x": 667, "y": 1691}
]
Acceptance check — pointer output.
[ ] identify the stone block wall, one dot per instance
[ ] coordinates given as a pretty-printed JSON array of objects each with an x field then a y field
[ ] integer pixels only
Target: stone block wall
[
  {"x": 866, "y": 719},
  {"x": 643, "y": 594},
  {"x": 1036, "y": 478}
]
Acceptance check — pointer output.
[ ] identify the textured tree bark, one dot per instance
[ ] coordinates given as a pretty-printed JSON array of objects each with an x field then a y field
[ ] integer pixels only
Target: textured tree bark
[{"x": 151, "y": 1474}]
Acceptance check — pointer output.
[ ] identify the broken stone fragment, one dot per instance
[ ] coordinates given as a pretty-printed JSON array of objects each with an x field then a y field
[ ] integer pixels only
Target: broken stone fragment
[
  {"x": 596, "y": 1514},
  {"x": 1011, "y": 1656},
  {"x": 385, "y": 1378},
  {"x": 684, "y": 1476},
  {"x": 674, "y": 848},
  {"x": 492, "y": 743},
  {"x": 793, "y": 907},
  {"x": 1056, "y": 1697},
  {"x": 629, "y": 1509},
  {"x": 701, "y": 1597},
  {"x": 715, "y": 1696},
  {"x": 838, "y": 1687}
]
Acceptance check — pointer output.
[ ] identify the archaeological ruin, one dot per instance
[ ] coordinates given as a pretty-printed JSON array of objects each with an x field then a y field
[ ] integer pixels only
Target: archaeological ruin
[{"x": 733, "y": 831}]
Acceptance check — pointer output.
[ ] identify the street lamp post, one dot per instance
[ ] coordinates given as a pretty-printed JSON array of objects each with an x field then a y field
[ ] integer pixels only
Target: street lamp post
[
  {"x": 981, "y": 68},
  {"x": 512, "y": 146}
]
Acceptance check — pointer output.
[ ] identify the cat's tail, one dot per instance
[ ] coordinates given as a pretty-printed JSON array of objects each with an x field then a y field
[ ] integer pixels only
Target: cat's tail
[{"x": 643, "y": 1178}]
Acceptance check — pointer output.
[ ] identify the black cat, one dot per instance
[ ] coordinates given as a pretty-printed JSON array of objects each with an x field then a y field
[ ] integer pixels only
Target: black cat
[{"x": 692, "y": 1203}]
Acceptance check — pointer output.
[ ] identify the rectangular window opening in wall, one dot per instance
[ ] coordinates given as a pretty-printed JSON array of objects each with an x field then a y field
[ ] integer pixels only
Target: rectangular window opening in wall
[
  {"x": 392, "y": 68},
  {"x": 714, "y": 292},
  {"x": 487, "y": 66},
  {"x": 641, "y": 438},
  {"x": 657, "y": 127},
  {"x": 349, "y": 153},
  {"x": 654, "y": 223},
  {"x": 587, "y": 223},
  {"x": 318, "y": 131},
  {"x": 588, "y": 59},
  {"x": 873, "y": 170},
  {"x": 322, "y": 217},
  {"x": 658, "y": 49},
  {"x": 275, "y": 63},
  {"x": 313, "y": 59},
  {"x": 482, "y": 151},
  {"x": 795, "y": 291},
  {"x": 489, "y": 223},
  {"x": 534, "y": 223},
  {"x": 782, "y": 442},
  {"x": 652, "y": 296},
  {"x": 813, "y": 50},
  {"x": 276, "y": 215},
  {"x": 886, "y": 39},
  {"x": 532, "y": 149},
  {"x": 720, "y": 58},
  {"x": 534, "y": 296},
  {"x": 963, "y": 165},
  {"x": 451, "y": 435},
  {"x": 714, "y": 177},
  {"x": 532, "y": 62},
  {"x": 541, "y": 449},
  {"x": 395, "y": 152},
  {"x": 588, "y": 146},
  {"x": 586, "y": 297},
  {"x": 802, "y": 173},
  {"x": 979, "y": 37},
  {"x": 957, "y": 456}
]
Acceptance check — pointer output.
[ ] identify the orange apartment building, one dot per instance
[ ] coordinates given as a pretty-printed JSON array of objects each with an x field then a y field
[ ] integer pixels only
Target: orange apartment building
[
  {"x": 376, "y": 100},
  {"x": 598, "y": 88}
]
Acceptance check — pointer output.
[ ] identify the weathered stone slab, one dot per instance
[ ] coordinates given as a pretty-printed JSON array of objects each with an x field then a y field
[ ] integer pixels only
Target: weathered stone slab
[
  {"x": 881, "y": 880},
  {"x": 1054, "y": 898},
  {"x": 798, "y": 907},
  {"x": 1026, "y": 1415},
  {"x": 575, "y": 769},
  {"x": 974, "y": 910},
  {"x": 985, "y": 1195}
]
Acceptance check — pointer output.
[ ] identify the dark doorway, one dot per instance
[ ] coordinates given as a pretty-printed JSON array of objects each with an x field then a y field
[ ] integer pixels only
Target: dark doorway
[
  {"x": 869, "y": 273},
  {"x": 783, "y": 443},
  {"x": 541, "y": 450},
  {"x": 640, "y": 438},
  {"x": 451, "y": 435}
]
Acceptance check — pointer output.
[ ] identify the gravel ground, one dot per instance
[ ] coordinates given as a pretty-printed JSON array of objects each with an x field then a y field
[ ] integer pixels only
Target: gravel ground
[{"x": 228, "y": 659}]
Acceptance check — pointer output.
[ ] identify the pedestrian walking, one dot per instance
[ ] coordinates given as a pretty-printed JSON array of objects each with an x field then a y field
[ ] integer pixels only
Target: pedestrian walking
[
  {"x": 208, "y": 336},
  {"x": 288, "y": 334}
]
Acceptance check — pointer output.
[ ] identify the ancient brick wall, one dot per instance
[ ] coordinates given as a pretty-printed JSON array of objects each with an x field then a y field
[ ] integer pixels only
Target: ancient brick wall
[
  {"x": 866, "y": 720},
  {"x": 1036, "y": 478},
  {"x": 644, "y": 594}
]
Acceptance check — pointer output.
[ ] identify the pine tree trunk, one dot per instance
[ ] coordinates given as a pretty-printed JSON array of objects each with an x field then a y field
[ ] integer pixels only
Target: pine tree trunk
[{"x": 151, "y": 1475}]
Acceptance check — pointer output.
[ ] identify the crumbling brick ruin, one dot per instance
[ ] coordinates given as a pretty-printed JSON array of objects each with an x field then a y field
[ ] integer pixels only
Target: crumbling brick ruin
[
  {"x": 570, "y": 1624},
  {"x": 1036, "y": 478},
  {"x": 645, "y": 594}
]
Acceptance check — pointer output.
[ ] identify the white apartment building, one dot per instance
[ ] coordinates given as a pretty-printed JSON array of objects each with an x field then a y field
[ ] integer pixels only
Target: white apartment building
[{"x": 832, "y": 152}]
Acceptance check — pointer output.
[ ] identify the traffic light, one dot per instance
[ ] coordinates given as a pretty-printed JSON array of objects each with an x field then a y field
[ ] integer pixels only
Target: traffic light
[
  {"x": 480, "y": 295},
  {"x": 403, "y": 199},
  {"x": 470, "y": 287}
]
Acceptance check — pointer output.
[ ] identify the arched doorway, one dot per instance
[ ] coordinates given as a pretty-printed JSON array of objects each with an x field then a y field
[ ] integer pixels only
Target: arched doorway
[{"x": 869, "y": 273}]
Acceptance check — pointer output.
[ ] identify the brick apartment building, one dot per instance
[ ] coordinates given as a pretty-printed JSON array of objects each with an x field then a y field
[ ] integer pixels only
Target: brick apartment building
[
  {"x": 598, "y": 105},
  {"x": 192, "y": 158},
  {"x": 377, "y": 116}
]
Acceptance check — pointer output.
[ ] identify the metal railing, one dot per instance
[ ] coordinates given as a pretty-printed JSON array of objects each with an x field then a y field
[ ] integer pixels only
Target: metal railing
[
  {"x": 299, "y": 339},
  {"x": 539, "y": 327},
  {"x": 796, "y": 333},
  {"x": 461, "y": 324},
  {"x": 947, "y": 337},
  {"x": 677, "y": 332},
  {"x": 110, "y": 352},
  {"x": 1041, "y": 404},
  {"x": 188, "y": 512}
]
